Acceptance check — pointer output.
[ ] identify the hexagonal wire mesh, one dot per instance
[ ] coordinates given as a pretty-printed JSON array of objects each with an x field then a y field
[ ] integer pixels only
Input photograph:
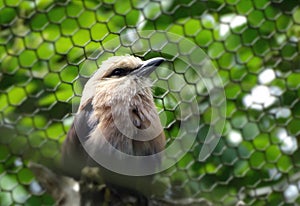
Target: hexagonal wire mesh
[{"x": 253, "y": 44}]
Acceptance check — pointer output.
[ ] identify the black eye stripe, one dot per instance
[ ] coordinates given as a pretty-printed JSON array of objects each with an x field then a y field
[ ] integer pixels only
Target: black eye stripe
[{"x": 119, "y": 72}]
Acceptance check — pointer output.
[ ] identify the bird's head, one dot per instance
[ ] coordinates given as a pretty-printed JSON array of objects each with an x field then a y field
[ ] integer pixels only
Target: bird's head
[
  {"x": 119, "y": 93},
  {"x": 120, "y": 77},
  {"x": 123, "y": 66}
]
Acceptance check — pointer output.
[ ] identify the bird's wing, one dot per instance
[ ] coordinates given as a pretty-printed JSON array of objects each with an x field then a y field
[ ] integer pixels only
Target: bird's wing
[
  {"x": 74, "y": 156},
  {"x": 85, "y": 121}
]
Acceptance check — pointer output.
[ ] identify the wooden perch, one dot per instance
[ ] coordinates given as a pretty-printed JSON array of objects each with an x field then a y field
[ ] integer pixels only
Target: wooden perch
[
  {"x": 59, "y": 187},
  {"x": 94, "y": 192}
]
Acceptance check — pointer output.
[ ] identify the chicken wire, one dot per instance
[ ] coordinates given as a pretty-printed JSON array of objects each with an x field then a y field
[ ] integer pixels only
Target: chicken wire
[{"x": 254, "y": 46}]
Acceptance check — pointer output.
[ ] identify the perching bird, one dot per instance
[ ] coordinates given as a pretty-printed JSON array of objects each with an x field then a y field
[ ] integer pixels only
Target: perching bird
[{"x": 116, "y": 109}]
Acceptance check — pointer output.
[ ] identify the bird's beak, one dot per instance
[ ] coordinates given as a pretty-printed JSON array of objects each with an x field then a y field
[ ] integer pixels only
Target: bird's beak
[{"x": 148, "y": 67}]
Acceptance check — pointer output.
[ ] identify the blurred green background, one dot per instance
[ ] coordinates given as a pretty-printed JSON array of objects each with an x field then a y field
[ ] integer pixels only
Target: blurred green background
[{"x": 254, "y": 45}]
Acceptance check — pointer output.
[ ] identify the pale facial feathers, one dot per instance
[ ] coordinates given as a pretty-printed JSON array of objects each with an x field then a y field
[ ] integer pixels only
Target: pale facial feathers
[
  {"x": 108, "y": 66},
  {"x": 125, "y": 109}
]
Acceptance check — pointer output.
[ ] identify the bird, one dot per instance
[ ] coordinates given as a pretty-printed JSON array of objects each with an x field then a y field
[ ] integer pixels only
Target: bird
[{"x": 116, "y": 111}]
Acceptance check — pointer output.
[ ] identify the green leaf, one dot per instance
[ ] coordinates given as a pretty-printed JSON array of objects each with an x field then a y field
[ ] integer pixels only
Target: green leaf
[
  {"x": 6, "y": 199},
  {"x": 20, "y": 194},
  {"x": 8, "y": 182},
  {"x": 16, "y": 95},
  {"x": 273, "y": 154},
  {"x": 25, "y": 176},
  {"x": 284, "y": 164},
  {"x": 39, "y": 22},
  {"x": 7, "y": 14},
  {"x": 64, "y": 44},
  {"x": 64, "y": 92}
]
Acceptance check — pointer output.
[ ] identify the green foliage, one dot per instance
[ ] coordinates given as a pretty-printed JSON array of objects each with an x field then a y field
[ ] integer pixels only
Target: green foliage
[{"x": 44, "y": 44}]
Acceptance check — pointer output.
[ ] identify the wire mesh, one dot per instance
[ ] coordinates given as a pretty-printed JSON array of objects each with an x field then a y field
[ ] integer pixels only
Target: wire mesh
[{"x": 253, "y": 44}]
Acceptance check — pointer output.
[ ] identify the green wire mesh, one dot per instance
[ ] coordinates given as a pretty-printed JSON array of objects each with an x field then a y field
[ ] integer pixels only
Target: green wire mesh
[{"x": 253, "y": 44}]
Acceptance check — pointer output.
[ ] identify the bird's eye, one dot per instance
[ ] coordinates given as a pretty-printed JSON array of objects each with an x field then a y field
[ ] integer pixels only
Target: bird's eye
[{"x": 119, "y": 72}]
